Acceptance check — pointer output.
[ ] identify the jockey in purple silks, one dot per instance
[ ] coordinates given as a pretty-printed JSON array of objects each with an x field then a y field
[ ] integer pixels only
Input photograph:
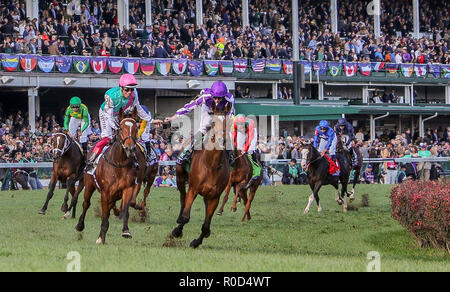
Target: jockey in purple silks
[{"x": 218, "y": 94}]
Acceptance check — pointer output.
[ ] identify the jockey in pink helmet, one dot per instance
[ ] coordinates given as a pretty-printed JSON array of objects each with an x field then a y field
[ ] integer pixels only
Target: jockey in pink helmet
[{"x": 123, "y": 97}]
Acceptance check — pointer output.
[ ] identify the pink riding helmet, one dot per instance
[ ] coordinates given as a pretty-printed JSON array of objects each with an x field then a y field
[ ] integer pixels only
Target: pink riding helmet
[{"x": 127, "y": 80}]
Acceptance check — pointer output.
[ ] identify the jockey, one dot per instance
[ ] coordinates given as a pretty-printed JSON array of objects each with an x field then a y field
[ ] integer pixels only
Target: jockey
[
  {"x": 345, "y": 128},
  {"x": 123, "y": 97},
  {"x": 217, "y": 94},
  {"x": 144, "y": 134},
  {"x": 325, "y": 140},
  {"x": 244, "y": 135},
  {"x": 77, "y": 115}
]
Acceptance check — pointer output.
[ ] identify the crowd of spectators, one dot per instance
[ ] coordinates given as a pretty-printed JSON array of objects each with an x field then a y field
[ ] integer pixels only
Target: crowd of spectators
[
  {"x": 93, "y": 29},
  {"x": 18, "y": 144}
]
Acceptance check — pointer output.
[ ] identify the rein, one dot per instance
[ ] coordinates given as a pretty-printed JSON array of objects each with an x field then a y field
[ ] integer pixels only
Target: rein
[{"x": 121, "y": 142}]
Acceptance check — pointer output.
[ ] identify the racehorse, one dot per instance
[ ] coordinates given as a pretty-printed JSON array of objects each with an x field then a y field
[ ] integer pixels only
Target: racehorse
[
  {"x": 68, "y": 165},
  {"x": 209, "y": 175},
  {"x": 116, "y": 176},
  {"x": 317, "y": 169},
  {"x": 240, "y": 176},
  {"x": 340, "y": 148}
]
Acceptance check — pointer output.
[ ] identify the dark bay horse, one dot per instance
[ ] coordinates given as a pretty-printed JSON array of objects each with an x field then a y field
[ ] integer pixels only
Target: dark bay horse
[
  {"x": 340, "y": 148},
  {"x": 209, "y": 175},
  {"x": 116, "y": 176},
  {"x": 239, "y": 178},
  {"x": 68, "y": 165},
  {"x": 317, "y": 169}
]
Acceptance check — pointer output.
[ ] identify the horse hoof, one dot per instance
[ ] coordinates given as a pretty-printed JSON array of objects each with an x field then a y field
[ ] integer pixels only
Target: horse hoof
[
  {"x": 340, "y": 202},
  {"x": 195, "y": 243},
  {"x": 42, "y": 212},
  {"x": 233, "y": 209},
  {"x": 79, "y": 227},
  {"x": 126, "y": 234},
  {"x": 319, "y": 210},
  {"x": 306, "y": 211},
  {"x": 116, "y": 212},
  {"x": 219, "y": 213},
  {"x": 177, "y": 233},
  {"x": 64, "y": 208},
  {"x": 65, "y": 216},
  {"x": 99, "y": 241}
]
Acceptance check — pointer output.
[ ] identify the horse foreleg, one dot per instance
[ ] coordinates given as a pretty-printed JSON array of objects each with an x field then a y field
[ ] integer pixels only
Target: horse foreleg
[
  {"x": 185, "y": 215},
  {"x": 210, "y": 206},
  {"x": 73, "y": 203},
  {"x": 344, "y": 195},
  {"x": 314, "y": 195},
  {"x": 181, "y": 185},
  {"x": 88, "y": 191},
  {"x": 127, "y": 196},
  {"x": 225, "y": 198},
  {"x": 71, "y": 189},
  {"x": 355, "y": 181},
  {"x": 236, "y": 195},
  {"x": 243, "y": 195},
  {"x": 50, "y": 193},
  {"x": 150, "y": 180},
  {"x": 107, "y": 205}
]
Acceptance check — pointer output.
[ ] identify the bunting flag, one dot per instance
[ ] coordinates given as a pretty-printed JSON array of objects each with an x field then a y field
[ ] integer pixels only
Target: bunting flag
[
  {"x": 115, "y": 65},
  {"x": 98, "y": 65},
  {"x": 195, "y": 67},
  {"x": 28, "y": 62},
  {"x": 211, "y": 67},
  {"x": 131, "y": 65},
  {"x": 446, "y": 71},
  {"x": 240, "y": 65},
  {"x": 320, "y": 68},
  {"x": 420, "y": 70},
  {"x": 391, "y": 68},
  {"x": 147, "y": 66},
  {"x": 10, "y": 63},
  {"x": 63, "y": 63},
  {"x": 365, "y": 69},
  {"x": 307, "y": 67},
  {"x": 258, "y": 65},
  {"x": 350, "y": 69},
  {"x": 163, "y": 66},
  {"x": 273, "y": 65},
  {"x": 80, "y": 64},
  {"x": 288, "y": 67},
  {"x": 46, "y": 63},
  {"x": 435, "y": 70},
  {"x": 179, "y": 66},
  {"x": 334, "y": 68},
  {"x": 407, "y": 70},
  {"x": 378, "y": 66},
  {"x": 226, "y": 67}
]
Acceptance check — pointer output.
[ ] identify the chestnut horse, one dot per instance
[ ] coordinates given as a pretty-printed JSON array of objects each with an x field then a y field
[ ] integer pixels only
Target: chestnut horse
[
  {"x": 317, "y": 169},
  {"x": 240, "y": 176},
  {"x": 68, "y": 165},
  {"x": 116, "y": 176},
  {"x": 209, "y": 175}
]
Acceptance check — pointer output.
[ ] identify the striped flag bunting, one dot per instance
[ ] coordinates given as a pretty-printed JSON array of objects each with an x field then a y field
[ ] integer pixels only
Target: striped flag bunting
[
  {"x": 226, "y": 67},
  {"x": 147, "y": 66},
  {"x": 258, "y": 65},
  {"x": 420, "y": 70},
  {"x": 407, "y": 70},
  {"x": 63, "y": 63},
  {"x": 273, "y": 66},
  {"x": 98, "y": 65},
  {"x": 195, "y": 67},
  {"x": 163, "y": 66},
  {"x": 10, "y": 63},
  {"x": 115, "y": 65},
  {"x": 28, "y": 62},
  {"x": 391, "y": 68},
  {"x": 350, "y": 69},
  {"x": 46, "y": 63},
  {"x": 365, "y": 69},
  {"x": 211, "y": 67},
  {"x": 240, "y": 65},
  {"x": 288, "y": 67},
  {"x": 131, "y": 65},
  {"x": 179, "y": 66}
]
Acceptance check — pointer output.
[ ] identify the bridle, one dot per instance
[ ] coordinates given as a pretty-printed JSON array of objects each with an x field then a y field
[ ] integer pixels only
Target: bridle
[
  {"x": 312, "y": 161},
  {"x": 67, "y": 143},
  {"x": 121, "y": 142}
]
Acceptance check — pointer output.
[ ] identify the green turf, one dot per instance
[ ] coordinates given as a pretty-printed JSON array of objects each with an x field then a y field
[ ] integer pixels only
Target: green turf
[{"x": 278, "y": 238}]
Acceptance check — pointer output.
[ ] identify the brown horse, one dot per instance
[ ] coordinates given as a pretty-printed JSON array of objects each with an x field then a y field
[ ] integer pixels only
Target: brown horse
[
  {"x": 68, "y": 165},
  {"x": 209, "y": 175},
  {"x": 116, "y": 176},
  {"x": 340, "y": 148},
  {"x": 240, "y": 176}
]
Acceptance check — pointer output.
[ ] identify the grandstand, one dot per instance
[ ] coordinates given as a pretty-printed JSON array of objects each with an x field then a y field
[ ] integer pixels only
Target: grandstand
[{"x": 383, "y": 71}]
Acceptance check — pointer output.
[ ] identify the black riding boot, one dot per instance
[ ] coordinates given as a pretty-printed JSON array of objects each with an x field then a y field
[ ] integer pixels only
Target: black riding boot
[{"x": 84, "y": 146}]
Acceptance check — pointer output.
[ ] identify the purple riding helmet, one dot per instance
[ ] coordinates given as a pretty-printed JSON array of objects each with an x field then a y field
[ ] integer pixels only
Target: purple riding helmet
[{"x": 220, "y": 90}]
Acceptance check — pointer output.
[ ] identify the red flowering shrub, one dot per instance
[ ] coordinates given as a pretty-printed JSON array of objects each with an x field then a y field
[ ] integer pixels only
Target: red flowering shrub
[{"x": 423, "y": 207}]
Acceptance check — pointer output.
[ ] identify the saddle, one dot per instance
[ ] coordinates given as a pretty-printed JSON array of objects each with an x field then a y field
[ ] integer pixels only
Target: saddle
[{"x": 334, "y": 167}]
